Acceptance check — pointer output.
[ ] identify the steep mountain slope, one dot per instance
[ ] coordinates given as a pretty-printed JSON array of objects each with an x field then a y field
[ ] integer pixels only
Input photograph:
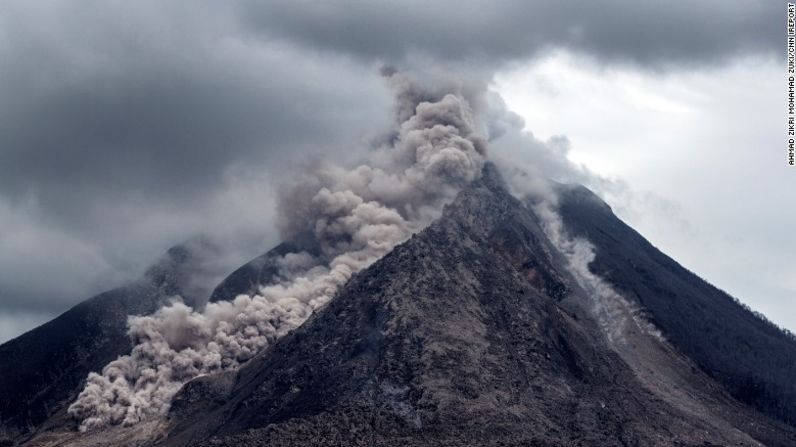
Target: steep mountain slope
[
  {"x": 247, "y": 278},
  {"x": 42, "y": 370},
  {"x": 752, "y": 358},
  {"x": 477, "y": 331},
  {"x": 471, "y": 333}
]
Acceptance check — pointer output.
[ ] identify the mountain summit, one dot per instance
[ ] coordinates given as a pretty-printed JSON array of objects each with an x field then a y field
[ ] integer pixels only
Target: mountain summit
[
  {"x": 478, "y": 330},
  {"x": 474, "y": 332}
]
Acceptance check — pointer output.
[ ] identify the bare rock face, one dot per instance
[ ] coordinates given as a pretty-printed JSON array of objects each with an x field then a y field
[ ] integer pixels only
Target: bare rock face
[{"x": 471, "y": 333}]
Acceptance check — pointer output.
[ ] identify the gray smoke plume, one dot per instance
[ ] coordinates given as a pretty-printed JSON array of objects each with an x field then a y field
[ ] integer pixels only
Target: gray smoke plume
[{"x": 357, "y": 216}]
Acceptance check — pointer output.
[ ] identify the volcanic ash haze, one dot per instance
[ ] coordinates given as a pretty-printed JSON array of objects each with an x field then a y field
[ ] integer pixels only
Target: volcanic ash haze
[
  {"x": 356, "y": 217},
  {"x": 476, "y": 318}
]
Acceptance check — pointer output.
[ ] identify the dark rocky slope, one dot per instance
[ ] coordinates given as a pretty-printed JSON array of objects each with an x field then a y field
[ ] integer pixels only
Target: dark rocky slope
[
  {"x": 470, "y": 333},
  {"x": 753, "y": 359},
  {"x": 43, "y": 370},
  {"x": 261, "y": 270}
]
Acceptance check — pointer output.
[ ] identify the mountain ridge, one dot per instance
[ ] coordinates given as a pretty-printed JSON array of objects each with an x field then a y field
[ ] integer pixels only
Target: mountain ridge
[
  {"x": 44, "y": 367},
  {"x": 473, "y": 331},
  {"x": 295, "y": 394},
  {"x": 698, "y": 318}
]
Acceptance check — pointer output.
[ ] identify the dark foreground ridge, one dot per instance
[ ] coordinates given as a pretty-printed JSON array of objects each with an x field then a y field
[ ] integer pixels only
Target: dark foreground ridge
[
  {"x": 474, "y": 333},
  {"x": 43, "y": 370}
]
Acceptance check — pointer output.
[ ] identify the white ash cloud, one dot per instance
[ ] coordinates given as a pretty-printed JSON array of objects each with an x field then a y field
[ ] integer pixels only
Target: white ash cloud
[{"x": 357, "y": 215}]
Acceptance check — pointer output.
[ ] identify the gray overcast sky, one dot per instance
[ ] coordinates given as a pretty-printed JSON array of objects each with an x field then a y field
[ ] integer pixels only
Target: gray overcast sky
[{"x": 126, "y": 127}]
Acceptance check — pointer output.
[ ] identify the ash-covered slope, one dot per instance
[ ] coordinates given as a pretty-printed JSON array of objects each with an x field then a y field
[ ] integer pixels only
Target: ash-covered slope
[
  {"x": 42, "y": 370},
  {"x": 471, "y": 333},
  {"x": 752, "y": 358}
]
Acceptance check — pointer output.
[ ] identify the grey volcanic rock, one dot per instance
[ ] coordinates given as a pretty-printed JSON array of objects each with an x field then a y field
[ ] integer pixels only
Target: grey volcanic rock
[
  {"x": 753, "y": 359},
  {"x": 43, "y": 370},
  {"x": 471, "y": 333},
  {"x": 475, "y": 333}
]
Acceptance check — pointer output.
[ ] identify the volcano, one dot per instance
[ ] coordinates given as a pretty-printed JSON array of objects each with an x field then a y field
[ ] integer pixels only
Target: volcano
[{"x": 477, "y": 331}]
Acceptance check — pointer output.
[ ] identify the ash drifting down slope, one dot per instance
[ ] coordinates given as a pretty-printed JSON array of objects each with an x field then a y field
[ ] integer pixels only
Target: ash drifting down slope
[
  {"x": 356, "y": 216},
  {"x": 42, "y": 370},
  {"x": 473, "y": 332},
  {"x": 753, "y": 359},
  {"x": 488, "y": 327}
]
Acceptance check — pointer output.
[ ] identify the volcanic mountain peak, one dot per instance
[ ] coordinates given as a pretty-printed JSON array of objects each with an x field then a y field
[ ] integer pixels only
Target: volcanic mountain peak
[
  {"x": 478, "y": 330},
  {"x": 472, "y": 332}
]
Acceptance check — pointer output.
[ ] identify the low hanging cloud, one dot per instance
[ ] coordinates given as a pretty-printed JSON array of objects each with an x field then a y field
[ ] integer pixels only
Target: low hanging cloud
[
  {"x": 123, "y": 135},
  {"x": 356, "y": 215},
  {"x": 126, "y": 124}
]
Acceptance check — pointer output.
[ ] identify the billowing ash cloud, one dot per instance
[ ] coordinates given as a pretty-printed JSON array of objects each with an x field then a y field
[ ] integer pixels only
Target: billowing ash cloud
[
  {"x": 357, "y": 215},
  {"x": 130, "y": 126}
]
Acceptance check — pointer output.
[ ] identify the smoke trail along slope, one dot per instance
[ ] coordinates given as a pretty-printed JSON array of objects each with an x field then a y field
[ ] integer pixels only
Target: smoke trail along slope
[
  {"x": 613, "y": 312},
  {"x": 357, "y": 216}
]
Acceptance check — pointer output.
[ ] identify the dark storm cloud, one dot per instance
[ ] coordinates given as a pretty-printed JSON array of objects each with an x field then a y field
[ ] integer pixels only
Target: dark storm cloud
[
  {"x": 156, "y": 107},
  {"x": 126, "y": 127},
  {"x": 652, "y": 34}
]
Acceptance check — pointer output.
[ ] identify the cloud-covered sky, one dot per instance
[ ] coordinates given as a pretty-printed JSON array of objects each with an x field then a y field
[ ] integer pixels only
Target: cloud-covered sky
[
  {"x": 127, "y": 127},
  {"x": 701, "y": 154}
]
